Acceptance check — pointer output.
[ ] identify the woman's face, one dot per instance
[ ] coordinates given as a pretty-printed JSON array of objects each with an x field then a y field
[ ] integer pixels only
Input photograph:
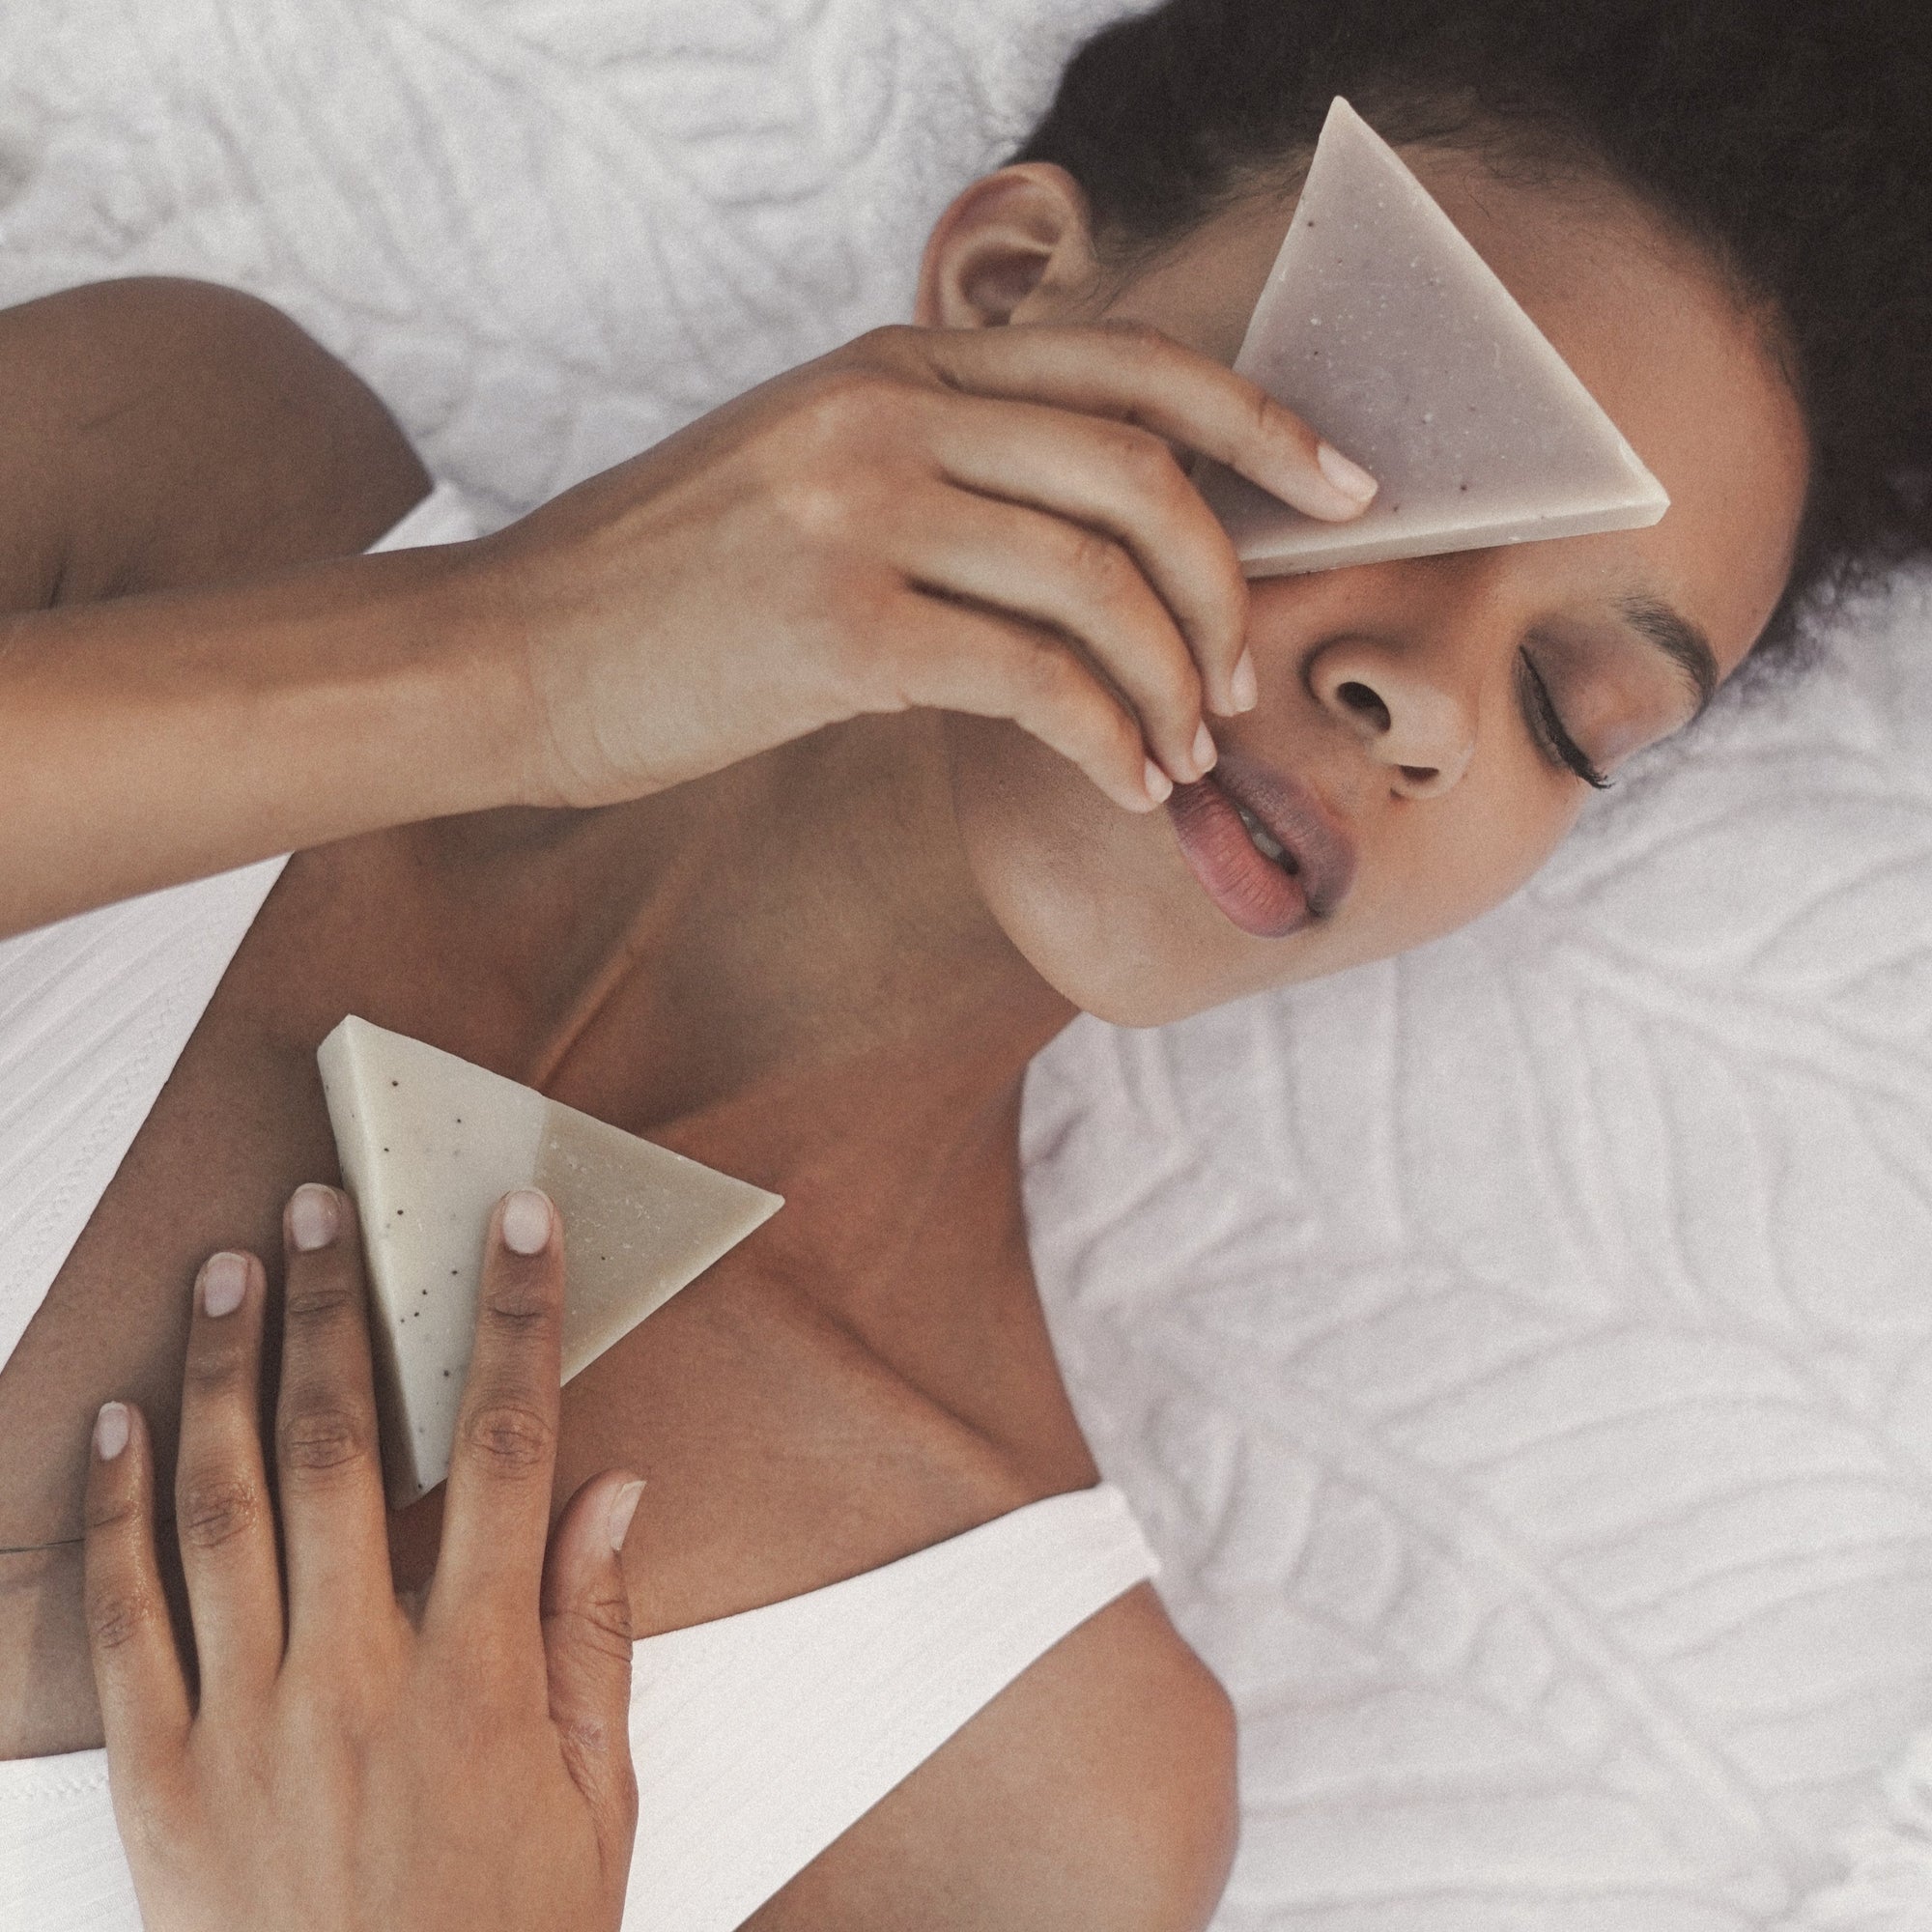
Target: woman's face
[{"x": 1394, "y": 694}]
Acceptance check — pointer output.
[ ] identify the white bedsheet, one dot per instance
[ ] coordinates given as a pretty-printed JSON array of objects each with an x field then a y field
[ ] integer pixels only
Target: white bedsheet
[{"x": 1520, "y": 1355}]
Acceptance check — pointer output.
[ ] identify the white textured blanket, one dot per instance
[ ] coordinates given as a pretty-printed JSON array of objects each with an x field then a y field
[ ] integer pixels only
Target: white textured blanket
[{"x": 1521, "y": 1353}]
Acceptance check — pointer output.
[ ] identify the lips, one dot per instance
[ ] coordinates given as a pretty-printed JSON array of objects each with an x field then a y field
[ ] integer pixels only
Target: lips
[{"x": 1262, "y": 897}]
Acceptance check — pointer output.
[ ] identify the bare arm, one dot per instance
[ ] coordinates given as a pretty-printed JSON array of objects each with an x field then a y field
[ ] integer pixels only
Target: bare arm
[
  {"x": 165, "y": 737},
  {"x": 990, "y": 520},
  {"x": 196, "y": 668}
]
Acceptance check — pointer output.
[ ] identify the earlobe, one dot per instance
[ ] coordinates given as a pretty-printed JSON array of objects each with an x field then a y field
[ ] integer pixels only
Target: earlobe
[{"x": 1017, "y": 240}]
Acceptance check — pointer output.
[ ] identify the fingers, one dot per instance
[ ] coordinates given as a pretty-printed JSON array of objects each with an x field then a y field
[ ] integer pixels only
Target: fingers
[
  {"x": 495, "y": 1516},
  {"x": 586, "y": 1626},
  {"x": 1133, "y": 372},
  {"x": 137, "y": 1673},
  {"x": 1083, "y": 583},
  {"x": 956, "y": 657},
  {"x": 221, "y": 1495},
  {"x": 1126, "y": 484},
  {"x": 327, "y": 1452}
]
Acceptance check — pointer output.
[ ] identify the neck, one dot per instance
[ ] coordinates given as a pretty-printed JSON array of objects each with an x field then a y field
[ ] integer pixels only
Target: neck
[{"x": 789, "y": 959}]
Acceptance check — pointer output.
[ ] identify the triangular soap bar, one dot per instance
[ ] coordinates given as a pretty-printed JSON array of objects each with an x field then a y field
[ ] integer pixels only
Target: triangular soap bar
[
  {"x": 428, "y": 1144},
  {"x": 1384, "y": 328}
]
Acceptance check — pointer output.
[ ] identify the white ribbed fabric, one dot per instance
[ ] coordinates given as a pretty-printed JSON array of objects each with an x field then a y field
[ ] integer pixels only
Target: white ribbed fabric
[{"x": 757, "y": 1738}]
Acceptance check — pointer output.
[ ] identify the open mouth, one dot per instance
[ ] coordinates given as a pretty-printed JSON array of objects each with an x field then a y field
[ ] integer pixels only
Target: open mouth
[
  {"x": 1263, "y": 840},
  {"x": 1262, "y": 846}
]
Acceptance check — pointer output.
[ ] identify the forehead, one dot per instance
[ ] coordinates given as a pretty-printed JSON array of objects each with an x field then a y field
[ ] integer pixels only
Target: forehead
[{"x": 1650, "y": 329}]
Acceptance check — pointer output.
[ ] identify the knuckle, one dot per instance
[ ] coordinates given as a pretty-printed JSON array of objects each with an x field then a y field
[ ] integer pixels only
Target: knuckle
[
  {"x": 1152, "y": 352},
  {"x": 1049, "y": 675},
  {"x": 214, "y": 1509},
  {"x": 215, "y": 1366},
  {"x": 1273, "y": 421},
  {"x": 889, "y": 342},
  {"x": 319, "y": 1305},
  {"x": 319, "y": 1437},
  {"x": 600, "y": 1625},
  {"x": 1099, "y": 561},
  {"x": 849, "y": 402},
  {"x": 513, "y": 1311},
  {"x": 1137, "y": 336},
  {"x": 817, "y": 501},
  {"x": 217, "y": 1369},
  {"x": 99, "y": 1515},
  {"x": 116, "y": 1617},
  {"x": 508, "y": 1436},
  {"x": 606, "y": 1616},
  {"x": 1150, "y": 464}
]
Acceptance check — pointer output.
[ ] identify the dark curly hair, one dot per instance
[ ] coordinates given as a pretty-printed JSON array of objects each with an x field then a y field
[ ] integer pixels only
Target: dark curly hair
[{"x": 1787, "y": 137}]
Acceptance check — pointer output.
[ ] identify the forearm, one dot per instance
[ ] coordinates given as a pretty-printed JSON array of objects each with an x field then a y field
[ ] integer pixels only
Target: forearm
[{"x": 151, "y": 740}]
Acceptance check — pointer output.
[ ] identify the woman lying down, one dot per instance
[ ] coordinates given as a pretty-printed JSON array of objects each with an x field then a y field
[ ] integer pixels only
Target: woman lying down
[{"x": 778, "y": 794}]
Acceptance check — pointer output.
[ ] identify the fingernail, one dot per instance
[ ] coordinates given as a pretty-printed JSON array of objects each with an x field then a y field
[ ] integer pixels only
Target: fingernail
[
  {"x": 526, "y": 1221},
  {"x": 1351, "y": 479},
  {"x": 1205, "y": 752},
  {"x": 224, "y": 1281},
  {"x": 110, "y": 1430},
  {"x": 1245, "y": 688},
  {"x": 1158, "y": 785},
  {"x": 623, "y": 1507},
  {"x": 313, "y": 1219}
]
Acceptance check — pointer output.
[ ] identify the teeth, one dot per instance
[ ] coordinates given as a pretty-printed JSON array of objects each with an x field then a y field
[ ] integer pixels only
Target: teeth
[{"x": 1262, "y": 840}]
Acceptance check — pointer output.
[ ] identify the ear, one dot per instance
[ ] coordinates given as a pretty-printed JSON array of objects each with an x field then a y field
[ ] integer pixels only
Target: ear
[{"x": 1015, "y": 246}]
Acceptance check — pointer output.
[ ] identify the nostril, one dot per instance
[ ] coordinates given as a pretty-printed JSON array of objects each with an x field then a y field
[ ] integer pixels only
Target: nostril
[
  {"x": 1419, "y": 774},
  {"x": 1359, "y": 697}
]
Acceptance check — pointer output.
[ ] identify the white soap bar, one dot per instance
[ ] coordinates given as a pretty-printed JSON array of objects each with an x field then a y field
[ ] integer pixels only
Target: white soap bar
[
  {"x": 428, "y": 1144},
  {"x": 1384, "y": 328}
]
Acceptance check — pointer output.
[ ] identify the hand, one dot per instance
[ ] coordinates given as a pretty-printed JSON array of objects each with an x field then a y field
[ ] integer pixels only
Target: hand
[
  {"x": 987, "y": 521},
  {"x": 472, "y": 1774}
]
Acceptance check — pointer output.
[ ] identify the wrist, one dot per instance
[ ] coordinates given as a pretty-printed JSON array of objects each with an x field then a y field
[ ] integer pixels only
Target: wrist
[{"x": 471, "y": 680}]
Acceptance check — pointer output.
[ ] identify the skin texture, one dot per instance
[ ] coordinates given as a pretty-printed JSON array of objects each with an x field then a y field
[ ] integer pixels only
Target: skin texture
[{"x": 826, "y": 964}]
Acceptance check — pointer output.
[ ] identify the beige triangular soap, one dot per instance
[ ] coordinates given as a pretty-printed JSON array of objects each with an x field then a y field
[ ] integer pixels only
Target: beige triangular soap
[
  {"x": 1384, "y": 330},
  {"x": 428, "y": 1143}
]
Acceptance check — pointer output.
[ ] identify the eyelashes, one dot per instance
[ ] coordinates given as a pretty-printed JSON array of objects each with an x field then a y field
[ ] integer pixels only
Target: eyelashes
[{"x": 1545, "y": 726}]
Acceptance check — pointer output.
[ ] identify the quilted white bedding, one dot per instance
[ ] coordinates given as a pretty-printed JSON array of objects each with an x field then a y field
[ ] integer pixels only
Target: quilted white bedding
[{"x": 1521, "y": 1353}]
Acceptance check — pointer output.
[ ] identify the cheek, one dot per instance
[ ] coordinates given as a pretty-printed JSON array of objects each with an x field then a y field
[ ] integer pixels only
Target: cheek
[
  {"x": 1094, "y": 897},
  {"x": 1440, "y": 870}
]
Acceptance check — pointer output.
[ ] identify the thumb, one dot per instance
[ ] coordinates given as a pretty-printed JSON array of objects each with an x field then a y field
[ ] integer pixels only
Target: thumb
[{"x": 586, "y": 1631}]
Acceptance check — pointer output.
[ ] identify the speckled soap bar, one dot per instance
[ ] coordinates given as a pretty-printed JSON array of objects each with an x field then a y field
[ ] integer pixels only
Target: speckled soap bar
[
  {"x": 1384, "y": 330},
  {"x": 428, "y": 1144}
]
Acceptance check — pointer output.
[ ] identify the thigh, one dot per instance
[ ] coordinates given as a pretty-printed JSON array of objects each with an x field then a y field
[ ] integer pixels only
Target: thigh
[{"x": 162, "y": 433}]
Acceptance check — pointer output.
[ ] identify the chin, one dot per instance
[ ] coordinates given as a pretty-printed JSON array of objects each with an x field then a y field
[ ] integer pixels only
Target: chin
[{"x": 1097, "y": 900}]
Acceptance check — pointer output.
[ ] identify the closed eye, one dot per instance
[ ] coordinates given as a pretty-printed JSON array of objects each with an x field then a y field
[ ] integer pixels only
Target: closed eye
[{"x": 1545, "y": 726}]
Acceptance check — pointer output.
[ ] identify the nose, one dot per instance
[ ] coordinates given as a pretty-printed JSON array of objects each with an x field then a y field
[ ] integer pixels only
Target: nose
[{"x": 1408, "y": 721}]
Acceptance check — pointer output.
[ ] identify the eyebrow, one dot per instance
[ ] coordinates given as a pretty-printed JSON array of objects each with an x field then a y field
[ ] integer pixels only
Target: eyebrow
[{"x": 1677, "y": 639}]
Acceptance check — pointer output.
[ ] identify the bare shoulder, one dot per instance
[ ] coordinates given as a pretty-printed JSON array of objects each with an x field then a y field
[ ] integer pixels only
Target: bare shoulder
[
  {"x": 161, "y": 431},
  {"x": 1096, "y": 1791}
]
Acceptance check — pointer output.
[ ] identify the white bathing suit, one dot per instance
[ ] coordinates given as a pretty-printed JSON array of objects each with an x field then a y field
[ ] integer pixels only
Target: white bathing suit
[{"x": 758, "y": 1738}]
